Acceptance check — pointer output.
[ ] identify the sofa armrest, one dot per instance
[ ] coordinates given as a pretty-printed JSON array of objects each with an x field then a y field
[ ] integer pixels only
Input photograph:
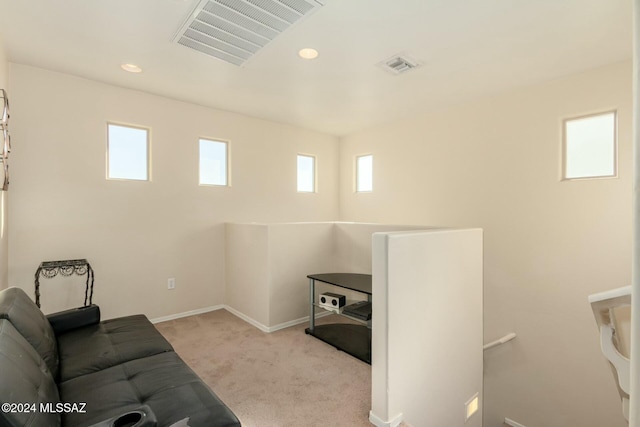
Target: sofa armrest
[
  {"x": 65, "y": 321},
  {"x": 141, "y": 416}
]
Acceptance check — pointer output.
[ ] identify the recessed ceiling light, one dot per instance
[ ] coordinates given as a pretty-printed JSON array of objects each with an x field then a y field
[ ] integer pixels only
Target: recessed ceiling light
[
  {"x": 308, "y": 53},
  {"x": 132, "y": 68}
]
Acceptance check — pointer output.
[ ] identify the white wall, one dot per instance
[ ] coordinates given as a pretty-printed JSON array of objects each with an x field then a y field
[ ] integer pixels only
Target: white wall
[
  {"x": 267, "y": 268},
  {"x": 138, "y": 234},
  {"x": 495, "y": 164},
  {"x": 4, "y": 198},
  {"x": 353, "y": 244},
  {"x": 427, "y": 328},
  {"x": 267, "y": 265},
  {"x": 296, "y": 250},
  {"x": 247, "y": 270}
]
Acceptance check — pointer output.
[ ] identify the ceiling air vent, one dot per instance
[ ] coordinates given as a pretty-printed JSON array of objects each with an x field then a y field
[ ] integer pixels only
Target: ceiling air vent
[
  {"x": 399, "y": 64},
  {"x": 234, "y": 30}
]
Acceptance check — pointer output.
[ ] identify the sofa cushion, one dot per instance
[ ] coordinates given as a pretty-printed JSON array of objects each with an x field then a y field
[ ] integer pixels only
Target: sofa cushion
[
  {"x": 163, "y": 382},
  {"x": 109, "y": 343},
  {"x": 26, "y": 317},
  {"x": 25, "y": 379}
]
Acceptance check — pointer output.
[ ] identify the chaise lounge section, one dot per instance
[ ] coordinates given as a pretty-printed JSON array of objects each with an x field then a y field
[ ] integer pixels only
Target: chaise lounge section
[{"x": 70, "y": 369}]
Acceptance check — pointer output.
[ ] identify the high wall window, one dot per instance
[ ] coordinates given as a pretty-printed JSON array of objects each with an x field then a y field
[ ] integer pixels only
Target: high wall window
[
  {"x": 127, "y": 152},
  {"x": 214, "y": 158},
  {"x": 590, "y": 146},
  {"x": 364, "y": 173},
  {"x": 306, "y": 174}
]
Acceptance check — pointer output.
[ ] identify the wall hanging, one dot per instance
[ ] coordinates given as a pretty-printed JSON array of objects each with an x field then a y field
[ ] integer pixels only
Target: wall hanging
[{"x": 6, "y": 147}]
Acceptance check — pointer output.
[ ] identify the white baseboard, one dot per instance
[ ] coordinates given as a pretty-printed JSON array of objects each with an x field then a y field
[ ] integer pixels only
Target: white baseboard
[
  {"x": 287, "y": 324},
  {"x": 187, "y": 313},
  {"x": 378, "y": 422},
  {"x": 246, "y": 318},
  {"x": 512, "y": 423},
  {"x": 269, "y": 329},
  {"x": 296, "y": 322},
  {"x": 263, "y": 328}
]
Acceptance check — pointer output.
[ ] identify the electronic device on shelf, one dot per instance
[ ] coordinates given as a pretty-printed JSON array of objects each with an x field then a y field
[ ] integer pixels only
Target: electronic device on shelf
[
  {"x": 332, "y": 301},
  {"x": 360, "y": 310}
]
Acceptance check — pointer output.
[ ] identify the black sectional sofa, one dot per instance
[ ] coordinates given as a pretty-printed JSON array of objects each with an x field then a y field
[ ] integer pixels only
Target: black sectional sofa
[{"x": 70, "y": 369}]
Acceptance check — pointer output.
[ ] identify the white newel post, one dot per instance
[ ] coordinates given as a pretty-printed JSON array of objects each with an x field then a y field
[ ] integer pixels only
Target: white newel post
[{"x": 634, "y": 398}]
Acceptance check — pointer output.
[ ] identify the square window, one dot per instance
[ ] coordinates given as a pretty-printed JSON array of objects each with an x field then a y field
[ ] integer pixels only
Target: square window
[
  {"x": 127, "y": 152},
  {"x": 306, "y": 174},
  {"x": 364, "y": 173},
  {"x": 590, "y": 146},
  {"x": 213, "y": 162}
]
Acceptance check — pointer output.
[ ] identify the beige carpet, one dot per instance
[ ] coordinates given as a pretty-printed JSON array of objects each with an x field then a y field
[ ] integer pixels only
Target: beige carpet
[{"x": 285, "y": 378}]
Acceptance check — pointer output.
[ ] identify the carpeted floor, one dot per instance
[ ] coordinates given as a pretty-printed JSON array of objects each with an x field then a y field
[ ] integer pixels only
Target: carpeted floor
[{"x": 285, "y": 378}]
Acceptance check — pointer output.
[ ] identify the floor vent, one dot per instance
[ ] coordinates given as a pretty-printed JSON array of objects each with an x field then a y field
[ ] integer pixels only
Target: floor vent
[
  {"x": 399, "y": 64},
  {"x": 234, "y": 30}
]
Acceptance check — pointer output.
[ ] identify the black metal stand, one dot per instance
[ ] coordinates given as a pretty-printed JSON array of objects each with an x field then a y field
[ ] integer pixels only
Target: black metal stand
[
  {"x": 49, "y": 269},
  {"x": 352, "y": 339}
]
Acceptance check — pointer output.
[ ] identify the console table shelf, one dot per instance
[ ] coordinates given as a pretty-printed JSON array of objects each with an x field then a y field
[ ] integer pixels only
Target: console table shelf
[
  {"x": 354, "y": 339},
  {"x": 343, "y": 314},
  {"x": 49, "y": 269}
]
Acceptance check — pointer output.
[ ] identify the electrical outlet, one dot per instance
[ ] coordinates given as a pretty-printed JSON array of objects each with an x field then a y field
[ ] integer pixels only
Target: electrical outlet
[{"x": 171, "y": 283}]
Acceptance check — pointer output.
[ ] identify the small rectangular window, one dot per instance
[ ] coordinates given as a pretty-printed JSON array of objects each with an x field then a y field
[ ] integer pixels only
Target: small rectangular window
[
  {"x": 590, "y": 146},
  {"x": 213, "y": 162},
  {"x": 127, "y": 152},
  {"x": 364, "y": 173},
  {"x": 306, "y": 174}
]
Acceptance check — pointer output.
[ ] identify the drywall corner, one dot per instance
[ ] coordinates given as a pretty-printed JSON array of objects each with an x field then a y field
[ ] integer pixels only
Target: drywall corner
[
  {"x": 247, "y": 270},
  {"x": 421, "y": 280}
]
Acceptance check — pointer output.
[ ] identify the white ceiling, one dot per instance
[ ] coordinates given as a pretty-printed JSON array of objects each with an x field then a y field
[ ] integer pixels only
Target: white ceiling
[{"x": 469, "y": 48}]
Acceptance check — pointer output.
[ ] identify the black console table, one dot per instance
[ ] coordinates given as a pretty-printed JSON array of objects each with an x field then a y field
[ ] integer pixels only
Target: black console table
[
  {"x": 354, "y": 339},
  {"x": 49, "y": 269}
]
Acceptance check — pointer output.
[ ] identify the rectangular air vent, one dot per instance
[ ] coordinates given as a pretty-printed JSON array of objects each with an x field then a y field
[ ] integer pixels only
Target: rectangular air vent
[
  {"x": 234, "y": 30},
  {"x": 399, "y": 64}
]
